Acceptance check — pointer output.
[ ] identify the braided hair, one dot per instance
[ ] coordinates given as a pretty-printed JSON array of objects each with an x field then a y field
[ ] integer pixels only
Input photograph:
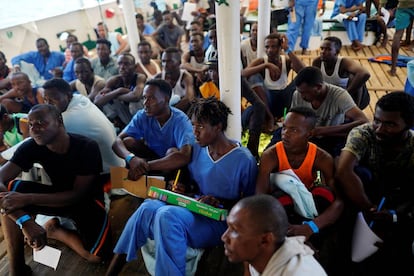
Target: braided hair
[{"x": 210, "y": 110}]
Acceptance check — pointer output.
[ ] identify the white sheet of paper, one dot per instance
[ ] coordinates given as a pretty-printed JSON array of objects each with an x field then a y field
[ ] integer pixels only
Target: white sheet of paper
[
  {"x": 48, "y": 256},
  {"x": 187, "y": 10},
  {"x": 363, "y": 240}
]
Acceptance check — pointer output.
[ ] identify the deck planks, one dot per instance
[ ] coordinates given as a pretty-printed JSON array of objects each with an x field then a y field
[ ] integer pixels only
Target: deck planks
[{"x": 379, "y": 84}]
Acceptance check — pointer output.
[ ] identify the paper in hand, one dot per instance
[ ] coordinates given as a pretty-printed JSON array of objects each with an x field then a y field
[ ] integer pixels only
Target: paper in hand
[
  {"x": 48, "y": 256},
  {"x": 363, "y": 240}
]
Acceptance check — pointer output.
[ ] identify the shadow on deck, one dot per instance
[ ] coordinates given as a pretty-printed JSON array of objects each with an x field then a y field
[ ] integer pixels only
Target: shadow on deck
[{"x": 213, "y": 261}]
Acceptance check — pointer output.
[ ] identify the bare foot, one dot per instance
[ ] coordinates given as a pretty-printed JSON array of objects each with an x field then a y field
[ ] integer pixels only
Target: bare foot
[
  {"x": 92, "y": 258},
  {"x": 404, "y": 43},
  {"x": 384, "y": 41},
  {"x": 356, "y": 48},
  {"x": 392, "y": 72},
  {"x": 356, "y": 45}
]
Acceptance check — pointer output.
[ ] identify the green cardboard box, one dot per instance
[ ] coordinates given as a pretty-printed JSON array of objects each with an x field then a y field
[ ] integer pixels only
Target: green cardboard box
[{"x": 187, "y": 202}]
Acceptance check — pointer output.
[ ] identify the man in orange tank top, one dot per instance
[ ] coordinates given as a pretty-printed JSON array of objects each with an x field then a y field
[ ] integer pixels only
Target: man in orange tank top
[{"x": 295, "y": 152}]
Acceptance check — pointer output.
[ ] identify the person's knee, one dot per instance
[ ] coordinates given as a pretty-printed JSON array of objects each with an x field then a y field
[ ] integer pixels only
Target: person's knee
[
  {"x": 51, "y": 226},
  {"x": 167, "y": 217},
  {"x": 133, "y": 144}
]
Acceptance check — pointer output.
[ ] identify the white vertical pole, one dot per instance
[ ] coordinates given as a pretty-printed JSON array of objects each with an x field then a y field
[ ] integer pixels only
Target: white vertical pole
[
  {"x": 128, "y": 9},
  {"x": 263, "y": 25},
  {"x": 228, "y": 44}
]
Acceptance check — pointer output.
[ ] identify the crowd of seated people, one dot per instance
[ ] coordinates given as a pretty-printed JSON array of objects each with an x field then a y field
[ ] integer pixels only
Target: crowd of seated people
[{"x": 162, "y": 113}]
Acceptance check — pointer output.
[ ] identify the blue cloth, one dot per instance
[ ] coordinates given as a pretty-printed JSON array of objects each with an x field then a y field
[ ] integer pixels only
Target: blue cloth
[
  {"x": 173, "y": 228},
  {"x": 354, "y": 29},
  {"x": 305, "y": 17},
  {"x": 402, "y": 61},
  {"x": 69, "y": 71},
  {"x": 56, "y": 59},
  {"x": 148, "y": 29},
  {"x": 176, "y": 132}
]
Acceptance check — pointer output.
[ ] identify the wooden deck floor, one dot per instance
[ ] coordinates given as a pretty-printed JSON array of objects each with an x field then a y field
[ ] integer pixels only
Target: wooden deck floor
[{"x": 379, "y": 84}]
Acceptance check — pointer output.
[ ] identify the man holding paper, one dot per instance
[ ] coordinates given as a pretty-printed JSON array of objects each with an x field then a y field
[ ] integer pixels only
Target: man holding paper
[
  {"x": 73, "y": 163},
  {"x": 376, "y": 172}
]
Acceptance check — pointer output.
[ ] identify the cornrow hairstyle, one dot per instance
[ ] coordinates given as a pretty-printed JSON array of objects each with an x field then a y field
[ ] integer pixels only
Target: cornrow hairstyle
[{"x": 210, "y": 110}]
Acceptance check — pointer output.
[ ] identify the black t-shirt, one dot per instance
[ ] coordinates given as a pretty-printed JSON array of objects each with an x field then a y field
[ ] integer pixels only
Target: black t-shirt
[{"x": 82, "y": 158}]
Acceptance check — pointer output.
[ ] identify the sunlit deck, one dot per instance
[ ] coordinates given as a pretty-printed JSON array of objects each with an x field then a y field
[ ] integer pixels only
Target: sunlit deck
[{"x": 379, "y": 84}]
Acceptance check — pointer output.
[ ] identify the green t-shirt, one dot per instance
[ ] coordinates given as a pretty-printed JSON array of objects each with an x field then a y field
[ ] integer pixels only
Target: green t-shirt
[{"x": 14, "y": 136}]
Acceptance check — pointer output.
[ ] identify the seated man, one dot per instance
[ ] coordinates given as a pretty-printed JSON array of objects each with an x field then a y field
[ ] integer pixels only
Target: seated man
[
  {"x": 193, "y": 60},
  {"x": 146, "y": 65},
  {"x": 73, "y": 163},
  {"x": 118, "y": 43},
  {"x": 145, "y": 31},
  {"x": 168, "y": 34},
  {"x": 69, "y": 40},
  {"x": 256, "y": 233},
  {"x": 268, "y": 75},
  {"x": 104, "y": 65},
  {"x": 352, "y": 14},
  {"x": 80, "y": 116},
  {"x": 377, "y": 163},
  {"x": 13, "y": 128},
  {"x": 305, "y": 159},
  {"x": 5, "y": 71},
  {"x": 180, "y": 80},
  {"x": 120, "y": 91},
  {"x": 22, "y": 96},
  {"x": 224, "y": 172},
  {"x": 44, "y": 60},
  {"x": 335, "y": 110},
  {"x": 342, "y": 71},
  {"x": 159, "y": 137},
  {"x": 87, "y": 83},
  {"x": 76, "y": 51}
]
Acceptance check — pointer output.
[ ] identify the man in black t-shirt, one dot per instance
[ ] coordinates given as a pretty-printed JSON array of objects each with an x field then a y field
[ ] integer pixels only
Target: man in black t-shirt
[{"x": 73, "y": 163}]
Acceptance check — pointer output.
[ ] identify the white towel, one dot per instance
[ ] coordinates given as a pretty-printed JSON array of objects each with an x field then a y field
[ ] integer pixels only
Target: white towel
[{"x": 290, "y": 183}]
